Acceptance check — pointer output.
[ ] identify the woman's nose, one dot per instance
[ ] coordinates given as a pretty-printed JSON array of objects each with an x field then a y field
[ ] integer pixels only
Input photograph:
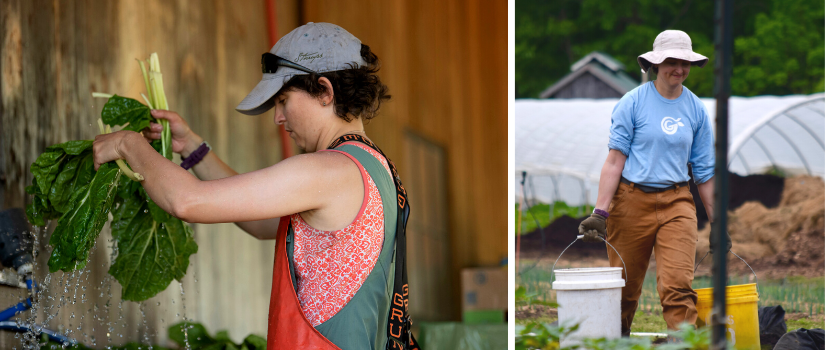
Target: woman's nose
[{"x": 279, "y": 118}]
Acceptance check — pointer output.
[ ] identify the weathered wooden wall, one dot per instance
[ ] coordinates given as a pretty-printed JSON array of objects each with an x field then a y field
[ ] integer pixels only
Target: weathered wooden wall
[
  {"x": 55, "y": 53},
  {"x": 445, "y": 64}
]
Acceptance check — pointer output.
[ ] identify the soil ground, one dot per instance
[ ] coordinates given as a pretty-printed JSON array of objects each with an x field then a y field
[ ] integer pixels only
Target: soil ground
[{"x": 778, "y": 240}]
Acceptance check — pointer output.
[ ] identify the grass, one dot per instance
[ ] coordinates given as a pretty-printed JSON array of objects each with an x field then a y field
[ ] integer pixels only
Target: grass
[
  {"x": 805, "y": 323},
  {"x": 800, "y": 295},
  {"x": 654, "y": 323},
  {"x": 649, "y": 322},
  {"x": 541, "y": 213}
]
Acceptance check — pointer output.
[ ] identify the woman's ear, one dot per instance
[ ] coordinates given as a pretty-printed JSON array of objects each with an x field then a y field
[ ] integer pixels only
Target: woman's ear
[{"x": 328, "y": 96}]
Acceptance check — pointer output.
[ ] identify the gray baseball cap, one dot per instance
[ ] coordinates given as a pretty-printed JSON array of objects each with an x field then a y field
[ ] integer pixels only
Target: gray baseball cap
[{"x": 321, "y": 47}]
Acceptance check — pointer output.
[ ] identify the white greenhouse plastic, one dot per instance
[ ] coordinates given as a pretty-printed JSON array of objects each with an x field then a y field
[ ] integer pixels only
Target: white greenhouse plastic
[{"x": 561, "y": 144}]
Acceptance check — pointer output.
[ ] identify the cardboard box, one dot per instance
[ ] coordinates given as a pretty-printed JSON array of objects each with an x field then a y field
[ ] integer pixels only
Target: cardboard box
[{"x": 484, "y": 289}]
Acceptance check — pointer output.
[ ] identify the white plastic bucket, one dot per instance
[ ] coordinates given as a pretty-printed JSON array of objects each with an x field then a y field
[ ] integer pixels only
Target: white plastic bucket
[{"x": 591, "y": 298}]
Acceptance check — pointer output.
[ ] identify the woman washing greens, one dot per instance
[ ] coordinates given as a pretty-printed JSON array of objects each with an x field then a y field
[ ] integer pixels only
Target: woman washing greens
[
  {"x": 644, "y": 202},
  {"x": 337, "y": 212}
]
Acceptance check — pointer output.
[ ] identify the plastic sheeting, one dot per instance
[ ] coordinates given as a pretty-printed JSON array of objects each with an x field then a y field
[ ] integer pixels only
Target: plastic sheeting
[
  {"x": 771, "y": 324},
  {"x": 802, "y": 339},
  {"x": 459, "y": 336},
  {"x": 561, "y": 145}
]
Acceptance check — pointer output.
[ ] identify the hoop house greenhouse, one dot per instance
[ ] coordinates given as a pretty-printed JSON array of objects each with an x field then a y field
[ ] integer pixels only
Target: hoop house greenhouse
[{"x": 561, "y": 145}]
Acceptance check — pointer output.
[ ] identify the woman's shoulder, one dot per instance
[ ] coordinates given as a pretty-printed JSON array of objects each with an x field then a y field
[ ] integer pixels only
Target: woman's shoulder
[
  {"x": 637, "y": 92},
  {"x": 691, "y": 98}
]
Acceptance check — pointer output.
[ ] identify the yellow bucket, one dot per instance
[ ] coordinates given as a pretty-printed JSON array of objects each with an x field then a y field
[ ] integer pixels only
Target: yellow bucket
[{"x": 743, "y": 314}]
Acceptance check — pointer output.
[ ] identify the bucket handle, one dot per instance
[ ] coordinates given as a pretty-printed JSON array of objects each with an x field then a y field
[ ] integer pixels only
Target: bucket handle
[
  {"x": 756, "y": 279},
  {"x": 603, "y": 240}
]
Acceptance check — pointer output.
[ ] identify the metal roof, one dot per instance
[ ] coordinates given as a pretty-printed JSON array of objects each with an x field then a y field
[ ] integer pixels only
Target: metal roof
[{"x": 600, "y": 65}]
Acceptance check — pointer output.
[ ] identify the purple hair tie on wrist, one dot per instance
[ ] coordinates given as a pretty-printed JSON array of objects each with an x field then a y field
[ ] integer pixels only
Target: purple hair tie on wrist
[
  {"x": 601, "y": 212},
  {"x": 196, "y": 156}
]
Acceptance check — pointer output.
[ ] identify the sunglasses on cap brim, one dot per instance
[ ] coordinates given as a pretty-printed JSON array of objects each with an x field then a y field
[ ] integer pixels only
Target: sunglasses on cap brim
[{"x": 270, "y": 64}]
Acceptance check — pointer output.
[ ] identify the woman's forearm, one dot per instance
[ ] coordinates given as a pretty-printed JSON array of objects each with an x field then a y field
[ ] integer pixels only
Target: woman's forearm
[
  {"x": 609, "y": 178},
  {"x": 706, "y": 194},
  {"x": 167, "y": 183},
  {"x": 211, "y": 167}
]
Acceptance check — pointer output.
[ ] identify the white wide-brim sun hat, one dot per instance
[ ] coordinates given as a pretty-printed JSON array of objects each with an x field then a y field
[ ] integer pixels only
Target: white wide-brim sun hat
[{"x": 671, "y": 44}]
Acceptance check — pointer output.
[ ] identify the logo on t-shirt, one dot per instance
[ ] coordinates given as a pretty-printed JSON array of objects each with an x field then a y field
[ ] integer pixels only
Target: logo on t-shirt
[{"x": 670, "y": 125}]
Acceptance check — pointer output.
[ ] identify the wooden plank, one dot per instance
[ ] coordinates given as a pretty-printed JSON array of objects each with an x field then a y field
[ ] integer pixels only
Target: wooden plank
[{"x": 11, "y": 102}]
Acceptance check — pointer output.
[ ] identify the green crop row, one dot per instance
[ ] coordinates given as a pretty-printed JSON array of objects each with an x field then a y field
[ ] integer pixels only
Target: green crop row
[
  {"x": 795, "y": 294},
  {"x": 544, "y": 214}
]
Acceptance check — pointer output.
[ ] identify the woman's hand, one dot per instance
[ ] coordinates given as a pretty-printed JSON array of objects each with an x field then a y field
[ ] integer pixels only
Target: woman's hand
[
  {"x": 184, "y": 140},
  {"x": 109, "y": 147}
]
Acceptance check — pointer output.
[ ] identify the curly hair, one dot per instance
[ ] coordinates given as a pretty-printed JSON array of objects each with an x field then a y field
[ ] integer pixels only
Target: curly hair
[{"x": 358, "y": 91}]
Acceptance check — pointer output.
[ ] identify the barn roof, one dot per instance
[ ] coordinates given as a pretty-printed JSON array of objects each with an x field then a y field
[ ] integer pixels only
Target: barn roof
[{"x": 602, "y": 66}]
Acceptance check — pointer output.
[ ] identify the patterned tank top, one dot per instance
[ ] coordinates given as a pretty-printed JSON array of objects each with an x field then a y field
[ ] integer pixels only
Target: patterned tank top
[{"x": 330, "y": 266}]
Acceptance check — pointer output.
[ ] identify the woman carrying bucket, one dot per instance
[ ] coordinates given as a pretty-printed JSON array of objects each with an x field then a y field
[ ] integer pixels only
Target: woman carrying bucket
[{"x": 644, "y": 202}]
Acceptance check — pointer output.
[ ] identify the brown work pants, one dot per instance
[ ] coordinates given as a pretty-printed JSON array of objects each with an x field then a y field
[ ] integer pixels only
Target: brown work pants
[{"x": 665, "y": 221}]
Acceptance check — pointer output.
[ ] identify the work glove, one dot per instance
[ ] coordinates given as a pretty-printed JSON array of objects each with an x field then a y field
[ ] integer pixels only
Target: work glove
[
  {"x": 592, "y": 228},
  {"x": 711, "y": 241}
]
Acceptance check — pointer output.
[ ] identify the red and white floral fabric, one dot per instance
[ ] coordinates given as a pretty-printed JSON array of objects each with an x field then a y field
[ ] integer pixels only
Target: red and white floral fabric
[{"x": 331, "y": 266}]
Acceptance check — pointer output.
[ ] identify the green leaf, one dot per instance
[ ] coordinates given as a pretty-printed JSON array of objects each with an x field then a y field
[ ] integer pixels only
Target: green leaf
[
  {"x": 39, "y": 210},
  {"x": 124, "y": 213},
  {"x": 78, "y": 171},
  {"x": 151, "y": 254},
  {"x": 121, "y": 110},
  {"x": 46, "y": 167},
  {"x": 255, "y": 342},
  {"x": 197, "y": 334},
  {"x": 73, "y": 147},
  {"x": 49, "y": 164},
  {"x": 78, "y": 228},
  {"x": 223, "y": 336}
]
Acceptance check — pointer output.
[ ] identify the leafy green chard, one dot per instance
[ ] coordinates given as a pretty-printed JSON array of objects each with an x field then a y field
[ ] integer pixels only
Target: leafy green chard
[
  {"x": 150, "y": 253},
  {"x": 154, "y": 247},
  {"x": 78, "y": 228},
  {"x": 121, "y": 111},
  {"x": 200, "y": 339}
]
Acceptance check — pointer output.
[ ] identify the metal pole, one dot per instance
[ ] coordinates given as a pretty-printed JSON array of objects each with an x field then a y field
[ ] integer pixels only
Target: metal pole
[
  {"x": 723, "y": 42},
  {"x": 520, "y": 211}
]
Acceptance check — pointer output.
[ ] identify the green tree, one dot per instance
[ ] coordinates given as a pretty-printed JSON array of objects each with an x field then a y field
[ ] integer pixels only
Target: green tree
[
  {"x": 552, "y": 35},
  {"x": 785, "y": 53}
]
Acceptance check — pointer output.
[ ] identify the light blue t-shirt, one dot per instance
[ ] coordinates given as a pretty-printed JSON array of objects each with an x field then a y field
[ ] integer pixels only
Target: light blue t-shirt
[{"x": 660, "y": 137}]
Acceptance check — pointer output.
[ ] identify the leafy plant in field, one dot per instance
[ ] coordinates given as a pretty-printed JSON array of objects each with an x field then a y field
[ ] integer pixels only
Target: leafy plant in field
[
  {"x": 692, "y": 338},
  {"x": 525, "y": 299},
  {"x": 542, "y": 215},
  {"x": 196, "y": 336},
  {"x": 153, "y": 246},
  {"x": 539, "y": 336},
  {"x": 199, "y": 338},
  {"x": 543, "y": 337}
]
